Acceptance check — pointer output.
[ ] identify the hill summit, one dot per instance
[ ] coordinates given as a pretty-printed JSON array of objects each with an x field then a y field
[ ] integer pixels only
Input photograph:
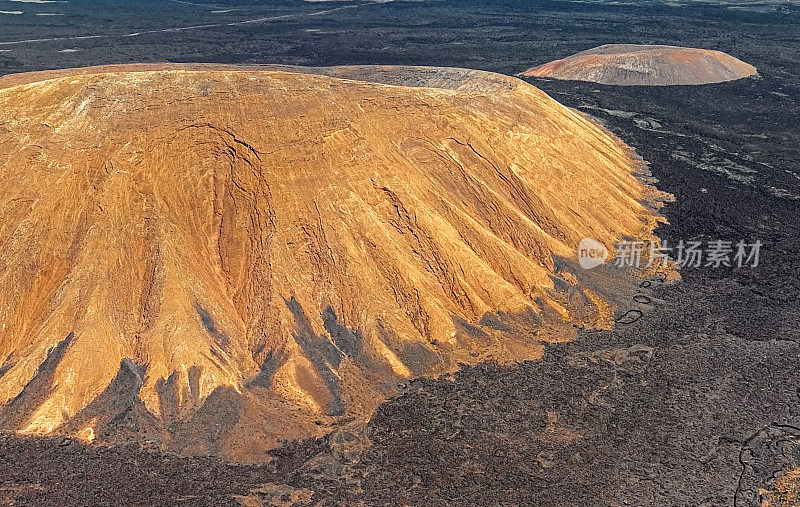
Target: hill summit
[
  {"x": 630, "y": 64},
  {"x": 220, "y": 258}
]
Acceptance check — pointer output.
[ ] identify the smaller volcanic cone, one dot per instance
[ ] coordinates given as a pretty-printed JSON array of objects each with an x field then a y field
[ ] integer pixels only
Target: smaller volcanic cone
[{"x": 630, "y": 64}]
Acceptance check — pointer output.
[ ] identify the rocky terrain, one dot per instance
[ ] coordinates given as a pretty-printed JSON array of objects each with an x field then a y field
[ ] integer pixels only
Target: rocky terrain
[
  {"x": 693, "y": 404},
  {"x": 632, "y": 64},
  {"x": 217, "y": 259}
]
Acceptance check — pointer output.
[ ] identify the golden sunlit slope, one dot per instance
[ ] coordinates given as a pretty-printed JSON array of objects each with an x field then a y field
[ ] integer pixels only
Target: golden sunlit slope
[
  {"x": 189, "y": 248},
  {"x": 631, "y": 64}
]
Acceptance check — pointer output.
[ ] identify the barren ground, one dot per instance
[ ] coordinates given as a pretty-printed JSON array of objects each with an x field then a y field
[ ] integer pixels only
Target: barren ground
[{"x": 698, "y": 406}]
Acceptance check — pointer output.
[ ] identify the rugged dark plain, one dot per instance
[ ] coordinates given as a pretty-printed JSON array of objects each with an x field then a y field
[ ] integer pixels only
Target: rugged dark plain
[{"x": 695, "y": 403}]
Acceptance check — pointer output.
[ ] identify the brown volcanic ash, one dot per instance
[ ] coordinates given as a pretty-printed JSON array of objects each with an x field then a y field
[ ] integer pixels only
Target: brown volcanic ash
[
  {"x": 218, "y": 258},
  {"x": 628, "y": 64}
]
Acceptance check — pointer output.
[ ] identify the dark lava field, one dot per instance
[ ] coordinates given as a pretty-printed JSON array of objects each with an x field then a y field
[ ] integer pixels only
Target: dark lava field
[{"x": 696, "y": 402}]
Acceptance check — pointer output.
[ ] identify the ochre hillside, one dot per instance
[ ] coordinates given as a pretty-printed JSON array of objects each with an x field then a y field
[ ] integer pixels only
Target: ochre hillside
[
  {"x": 219, "y": 258},
  {"x": 629, "y": 64}
]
